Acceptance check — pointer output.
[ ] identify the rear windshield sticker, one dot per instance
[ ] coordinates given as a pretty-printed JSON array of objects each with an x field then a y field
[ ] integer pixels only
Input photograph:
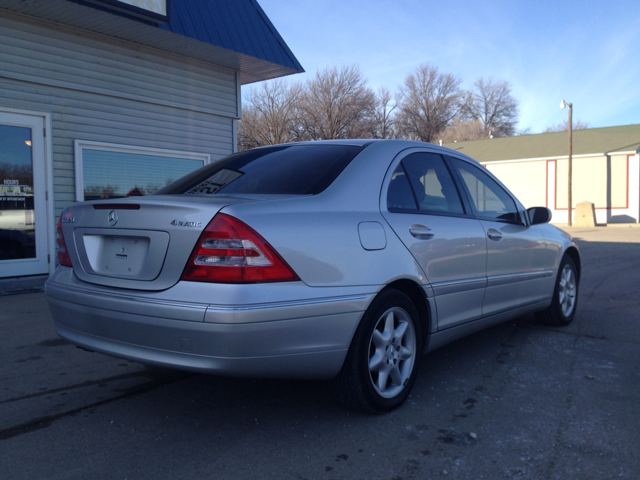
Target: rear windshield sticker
[{"x": 215, "y": 182}]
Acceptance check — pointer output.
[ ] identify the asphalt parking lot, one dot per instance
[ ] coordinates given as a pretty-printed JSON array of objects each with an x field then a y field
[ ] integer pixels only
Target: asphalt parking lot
[{"x": 518, "y": 401}]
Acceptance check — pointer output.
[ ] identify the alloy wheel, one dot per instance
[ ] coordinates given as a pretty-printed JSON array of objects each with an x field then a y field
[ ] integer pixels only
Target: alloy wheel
[{"x": 392, "y": 352}]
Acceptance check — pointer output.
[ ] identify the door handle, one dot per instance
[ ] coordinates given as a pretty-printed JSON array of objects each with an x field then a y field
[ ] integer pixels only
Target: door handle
[
  {"x": 421, "y": 232},
  {"x": 494, "y": 234}
]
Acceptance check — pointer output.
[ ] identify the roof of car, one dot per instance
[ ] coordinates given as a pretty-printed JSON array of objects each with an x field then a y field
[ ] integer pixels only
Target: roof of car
[{"x": 361, "y": 142}]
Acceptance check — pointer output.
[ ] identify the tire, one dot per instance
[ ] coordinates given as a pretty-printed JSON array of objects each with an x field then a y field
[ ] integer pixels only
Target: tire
[
  {"x": 565, "y": 296},
  {"x": 382, "y": 363}
]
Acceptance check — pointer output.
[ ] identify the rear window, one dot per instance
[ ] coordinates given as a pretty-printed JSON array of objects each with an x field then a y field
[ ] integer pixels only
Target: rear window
[{"x": 290, "y": 169}]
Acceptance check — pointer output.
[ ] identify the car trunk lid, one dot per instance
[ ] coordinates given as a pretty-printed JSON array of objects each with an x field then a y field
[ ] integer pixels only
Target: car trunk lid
[{"x": 139, "y": 243}]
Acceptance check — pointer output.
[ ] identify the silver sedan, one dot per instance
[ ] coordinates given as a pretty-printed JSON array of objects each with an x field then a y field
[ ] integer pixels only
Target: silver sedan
[{"x": 342, "y": 260}]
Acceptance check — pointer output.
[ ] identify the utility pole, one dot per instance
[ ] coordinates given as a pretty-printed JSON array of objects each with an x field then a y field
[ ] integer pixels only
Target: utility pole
[{"x": 569, "y": 183}]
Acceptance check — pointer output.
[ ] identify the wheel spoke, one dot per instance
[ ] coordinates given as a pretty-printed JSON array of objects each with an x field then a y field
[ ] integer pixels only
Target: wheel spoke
[
  {"x": 383, "y": 375},
  {"x": 376, "y": 361},
  {"x": 394, "y": 373},
  {"x": 378, "y": 339},
  {"x": 405, "y": 353},
  {"x": 389, "y": 326},
  {"x": 400, "y": 330}
]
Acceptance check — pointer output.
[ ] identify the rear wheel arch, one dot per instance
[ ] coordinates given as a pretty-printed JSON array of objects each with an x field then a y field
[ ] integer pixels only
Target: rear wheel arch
[
  {"x": 419, "y": 298},
  {"x": 382, "y": 362}
]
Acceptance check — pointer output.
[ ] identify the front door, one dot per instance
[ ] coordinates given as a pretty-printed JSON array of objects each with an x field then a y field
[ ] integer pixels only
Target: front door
[
  {"x": 518, "y": 269},
  {"x": 23, "y": 218}
]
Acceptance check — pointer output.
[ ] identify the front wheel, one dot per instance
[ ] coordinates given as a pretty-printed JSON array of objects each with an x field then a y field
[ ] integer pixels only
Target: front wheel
[
  {"x": 565, "y": 296},
  {"x": 382, "y": 362}
]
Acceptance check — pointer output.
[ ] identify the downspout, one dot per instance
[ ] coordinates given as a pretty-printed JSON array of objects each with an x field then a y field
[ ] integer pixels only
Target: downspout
[{"x": 238, "y": 117}]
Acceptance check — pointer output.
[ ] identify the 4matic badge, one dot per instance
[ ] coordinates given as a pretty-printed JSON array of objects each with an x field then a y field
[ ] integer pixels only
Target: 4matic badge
[{"x": 180, "y": 223}]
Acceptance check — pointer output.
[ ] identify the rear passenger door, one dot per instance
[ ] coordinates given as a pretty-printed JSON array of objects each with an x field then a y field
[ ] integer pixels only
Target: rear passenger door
[
  {"x": 423, "y": 206},
  {"x": 517, "y": 273}
]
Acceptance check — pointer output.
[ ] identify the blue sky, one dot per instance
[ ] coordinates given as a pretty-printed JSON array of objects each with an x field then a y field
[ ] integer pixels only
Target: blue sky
[{"x": 587, "y": 52}]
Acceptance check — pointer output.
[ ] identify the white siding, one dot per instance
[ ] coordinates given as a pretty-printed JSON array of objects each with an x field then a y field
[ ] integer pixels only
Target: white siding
[
  {"x": 526, "y": 180},
  {"x": 109, "y": 91}
]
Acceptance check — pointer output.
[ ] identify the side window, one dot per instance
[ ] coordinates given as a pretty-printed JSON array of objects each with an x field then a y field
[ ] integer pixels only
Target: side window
[
  {"x": 490, "y": 200},
  {"x": 399, "y": 195},
  {"x": 431, "y": 184}
]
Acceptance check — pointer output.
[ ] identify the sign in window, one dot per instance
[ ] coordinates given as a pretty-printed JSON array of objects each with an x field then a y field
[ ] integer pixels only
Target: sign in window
[{"x": 17, "y": 225}]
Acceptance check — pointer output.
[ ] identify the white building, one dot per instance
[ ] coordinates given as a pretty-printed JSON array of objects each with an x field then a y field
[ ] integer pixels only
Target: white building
[{"x": 605, "y": 169}]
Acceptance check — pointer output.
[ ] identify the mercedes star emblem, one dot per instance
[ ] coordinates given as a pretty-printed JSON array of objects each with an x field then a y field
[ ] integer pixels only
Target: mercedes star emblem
[{"x": 113, "y": 218}]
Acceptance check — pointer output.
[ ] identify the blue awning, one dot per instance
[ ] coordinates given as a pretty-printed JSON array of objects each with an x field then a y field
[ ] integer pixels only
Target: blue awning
[{"x": 239, "y": 25}]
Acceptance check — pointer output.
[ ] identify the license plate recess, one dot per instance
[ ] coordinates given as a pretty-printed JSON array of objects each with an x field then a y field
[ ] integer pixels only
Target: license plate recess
[{"x": 130, "y": 254}]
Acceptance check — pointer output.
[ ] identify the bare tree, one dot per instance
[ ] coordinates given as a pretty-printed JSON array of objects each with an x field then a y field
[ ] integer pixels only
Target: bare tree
[
  {"x": 429, "y": 102},
  {"x": 463, "y": 130},
  {"x": 22, "y": 173},
  {"x": 490, "y": 102},
  {"x": 337, "y": 104},
  {"x": 383, "y": 118},
  {"x": 564, "y": 126},
  {"x": 270, "y": 115}
]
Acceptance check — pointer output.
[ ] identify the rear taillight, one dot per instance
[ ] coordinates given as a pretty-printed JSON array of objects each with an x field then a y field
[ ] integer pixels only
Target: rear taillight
[
  {"x": 229, "y": 251},
  {"x": 63, "y": 254}
]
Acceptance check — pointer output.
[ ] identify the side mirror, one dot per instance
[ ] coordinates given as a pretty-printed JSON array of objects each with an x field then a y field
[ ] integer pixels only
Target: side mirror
[{"x": 538, "y": 215}]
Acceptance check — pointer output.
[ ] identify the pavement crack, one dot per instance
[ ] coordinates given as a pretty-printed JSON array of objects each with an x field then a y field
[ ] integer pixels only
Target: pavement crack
[
  {"x": 590, "y": 295},
  {"x": 90, "y": 383},
  {"x": 46, "y": 421},
  {"x": 593, "y": 337}
]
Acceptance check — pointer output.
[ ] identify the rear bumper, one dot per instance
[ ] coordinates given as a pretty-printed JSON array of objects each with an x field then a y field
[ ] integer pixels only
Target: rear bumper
[{"x": 285, "y": 339}]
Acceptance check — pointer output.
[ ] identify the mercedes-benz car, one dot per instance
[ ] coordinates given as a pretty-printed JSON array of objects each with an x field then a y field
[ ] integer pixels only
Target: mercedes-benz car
[{"x": 342, "y": 260}]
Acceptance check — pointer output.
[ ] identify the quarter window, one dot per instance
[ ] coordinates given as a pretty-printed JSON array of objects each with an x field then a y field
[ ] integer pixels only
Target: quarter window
[{"x": 399, "y": 195}]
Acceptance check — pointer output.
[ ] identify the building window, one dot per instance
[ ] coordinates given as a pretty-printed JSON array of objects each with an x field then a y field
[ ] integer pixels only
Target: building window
[{"x": 105, "y": 170}]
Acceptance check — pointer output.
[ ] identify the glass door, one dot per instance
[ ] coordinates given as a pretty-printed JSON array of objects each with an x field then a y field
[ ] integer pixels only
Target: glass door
[{"x": 23, "y": 220}]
